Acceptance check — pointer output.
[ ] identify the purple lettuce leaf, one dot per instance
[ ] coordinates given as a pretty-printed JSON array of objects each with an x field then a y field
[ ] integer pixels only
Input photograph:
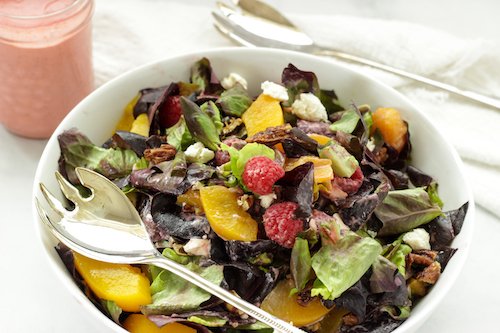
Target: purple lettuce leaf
[
  {"x": 297, "y": 81},
  {"x": 361, "y": 211},
  {"x": 242, "y": 251},
  {"x": 354, "y": 299},
  {"x": 385, "y": 276},
  {"x": 297, "y": 186},
  {"x": 418, "y": 177},
  {"x": 156, "y": 127},
  {"x": 203, "y": 75},
  {"x": 299, "y": 144},
  {"x": 316, "y": 127},
  {"x": 147, "y": 97},
  {"x": 165, "y": 177},
  {"x": 251, "y": 283},
  {"x": 220, "y": 315},
  {"x": 170, "y": 222},
  {"x": 128, "y": 140}
]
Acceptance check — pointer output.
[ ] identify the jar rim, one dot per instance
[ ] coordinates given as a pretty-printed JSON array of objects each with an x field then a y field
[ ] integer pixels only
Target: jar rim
[{"x": 56, "y": 13}]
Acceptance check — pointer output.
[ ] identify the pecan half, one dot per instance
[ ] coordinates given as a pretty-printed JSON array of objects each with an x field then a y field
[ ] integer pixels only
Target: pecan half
[
  {"x": 430, "y": 274},
  {"x": 272, "y": 135},
  {"x": 422, "y": 258},
  {"x": 163, "y": 153}
]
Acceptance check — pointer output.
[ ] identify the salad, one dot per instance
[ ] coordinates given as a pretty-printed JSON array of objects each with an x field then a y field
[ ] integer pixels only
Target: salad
[{"x": 302, "y": 206}]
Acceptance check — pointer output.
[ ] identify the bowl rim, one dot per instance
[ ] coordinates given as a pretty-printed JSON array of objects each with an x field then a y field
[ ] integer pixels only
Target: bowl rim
[{"x": 409, "y": 325}]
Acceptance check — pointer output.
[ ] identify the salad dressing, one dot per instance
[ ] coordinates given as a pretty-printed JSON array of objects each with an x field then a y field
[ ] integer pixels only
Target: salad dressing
[{"x": 46, "y": 62}]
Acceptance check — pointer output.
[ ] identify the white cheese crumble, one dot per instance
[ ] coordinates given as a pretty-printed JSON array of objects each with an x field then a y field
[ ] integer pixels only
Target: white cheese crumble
[
  {"x": 274, "y": 90},
  {"x": 198, "y": 247},
  {"x": 370, "y": 144},
  {"x": 267, "y": 199},
  {"x": 232, "y": 79},
  {"x": 244, "y": 202},
  {"x": 198, "y": 153},
  {"x": 418, "y": 239},
  {"x": 309, "y": 107}
]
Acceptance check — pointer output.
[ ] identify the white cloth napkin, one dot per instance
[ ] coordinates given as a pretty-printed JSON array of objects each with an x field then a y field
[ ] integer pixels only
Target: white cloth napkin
[{"x": 129, "y": 33}]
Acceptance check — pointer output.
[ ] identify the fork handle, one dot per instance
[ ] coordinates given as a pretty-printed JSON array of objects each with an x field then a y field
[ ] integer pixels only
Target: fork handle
[
  {"x": 486, "y": 100},
  {"x": 277, "y": 324}
]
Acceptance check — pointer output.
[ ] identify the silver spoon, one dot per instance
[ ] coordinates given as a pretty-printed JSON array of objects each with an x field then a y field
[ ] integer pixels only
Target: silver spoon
[
  {"x": 255, "y": 23},
  {"x": 107, "y": 227}
]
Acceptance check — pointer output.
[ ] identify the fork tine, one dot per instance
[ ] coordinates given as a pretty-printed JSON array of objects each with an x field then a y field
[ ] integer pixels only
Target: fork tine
[
  {"x": 68, "y": 189},
  {"x": 55, "y": 229},
  {"x": 89, "y": 177},
  {"x": 225, "y": 28},
  {"x": 54, "y": 203},
  {"x": 43, "y": 214}
]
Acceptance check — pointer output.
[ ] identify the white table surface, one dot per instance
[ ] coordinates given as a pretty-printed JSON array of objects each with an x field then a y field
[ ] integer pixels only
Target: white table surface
[{"x": 31, "y": 299}]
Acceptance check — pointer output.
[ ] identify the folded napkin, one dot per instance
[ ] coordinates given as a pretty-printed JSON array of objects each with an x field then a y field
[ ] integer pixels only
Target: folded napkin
[{"x": 129, "y": 33}]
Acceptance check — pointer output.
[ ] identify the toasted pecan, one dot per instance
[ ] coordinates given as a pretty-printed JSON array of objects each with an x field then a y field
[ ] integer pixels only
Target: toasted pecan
[
  {"x": 272, "y": 135},
  {"x": 430, "y": 274},
  {"x": 163, "y": 153}
]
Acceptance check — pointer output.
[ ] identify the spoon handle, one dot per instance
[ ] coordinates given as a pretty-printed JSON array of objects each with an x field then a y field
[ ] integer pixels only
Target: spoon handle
[
  {"x": 277, "y": 324},
  {"x": 486, "y": 100}
]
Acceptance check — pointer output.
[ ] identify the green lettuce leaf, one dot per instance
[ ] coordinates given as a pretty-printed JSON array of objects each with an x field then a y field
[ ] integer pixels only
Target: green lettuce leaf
[
  {"x": 208, "y": 321},
  {"x": 340, "y": 265},
  {"x": 404, "y": 210},
  {"x": 172, "y": 294},
  {"x": 113, "y": 310},
  {"x": 397, "y": 312},
  {"x": 78, "y": 151},
  {"x": 179, "y": 135},
  {"x": 213, "y": 112},
  {"x": 432, "y": 190},
  {"x": 347, "y": 123},
  {"x": 240, "y": 157},
  {"x": 200, "y": 124},
  {"x": 330, "y": 100},
  {"x": 201, "y": 72},
  {"x": 235, "y": 101},
  {"x": 396, "y": 252},
  {"x": 300, "y": 263}
]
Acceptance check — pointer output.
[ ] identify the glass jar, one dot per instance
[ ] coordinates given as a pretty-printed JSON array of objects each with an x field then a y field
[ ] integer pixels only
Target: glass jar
[{"x": 45, "y": 62}]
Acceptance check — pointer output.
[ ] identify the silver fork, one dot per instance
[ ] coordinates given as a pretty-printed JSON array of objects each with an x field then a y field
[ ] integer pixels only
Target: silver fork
[
  {"x": 258, "y": 24},
  {"x": 106, "y": 226}
]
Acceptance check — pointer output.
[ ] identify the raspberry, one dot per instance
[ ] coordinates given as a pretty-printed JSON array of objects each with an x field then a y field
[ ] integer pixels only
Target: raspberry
[
  {"x": 281, "y": 225},
  {"x": 170, "y": 112},
  {"x": 261, "y": 173}
]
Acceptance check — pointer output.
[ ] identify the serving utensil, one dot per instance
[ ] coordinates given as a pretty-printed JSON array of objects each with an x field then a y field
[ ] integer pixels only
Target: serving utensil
[
  {"x": 255, "y": 23},
  {"x": 106, "y": 226}
]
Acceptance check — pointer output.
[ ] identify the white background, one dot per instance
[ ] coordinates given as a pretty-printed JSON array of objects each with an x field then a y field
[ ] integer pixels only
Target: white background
[{"x": 31, "y": 298}]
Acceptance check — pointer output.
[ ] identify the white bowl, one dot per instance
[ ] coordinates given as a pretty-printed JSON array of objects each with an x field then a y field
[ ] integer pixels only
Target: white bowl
[{"x": 97, "y": 115}]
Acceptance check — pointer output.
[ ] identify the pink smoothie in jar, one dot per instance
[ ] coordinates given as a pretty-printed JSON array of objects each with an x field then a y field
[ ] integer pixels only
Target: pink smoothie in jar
[{"x": 45, "y": 62}]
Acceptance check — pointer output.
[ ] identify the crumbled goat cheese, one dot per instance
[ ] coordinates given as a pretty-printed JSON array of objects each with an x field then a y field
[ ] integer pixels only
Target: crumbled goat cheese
[
  {"x": 198, "y": 247},
  {"x": 244, "y": 201},
  {"x": 274, "y": 90},
  {"x": 309, "y": 107},
  {"x": 370, "y": 144},
  {"x": 418, "y": 239},
  {"x": 198, "y": 153},
  {"x": 232, "y": 79},
  {"x": 267, "y": 199}
]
